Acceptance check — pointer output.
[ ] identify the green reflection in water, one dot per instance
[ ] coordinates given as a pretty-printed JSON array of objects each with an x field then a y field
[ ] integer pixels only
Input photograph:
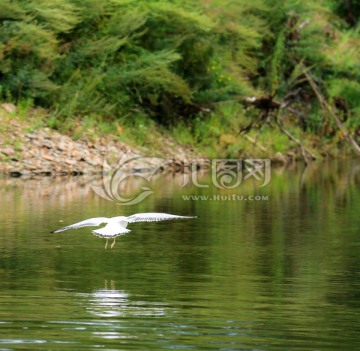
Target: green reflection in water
[{"x": 277, "y": 273}]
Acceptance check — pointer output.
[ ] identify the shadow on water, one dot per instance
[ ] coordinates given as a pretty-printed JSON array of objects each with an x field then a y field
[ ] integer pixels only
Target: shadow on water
[{"x": 262, "y": 268}]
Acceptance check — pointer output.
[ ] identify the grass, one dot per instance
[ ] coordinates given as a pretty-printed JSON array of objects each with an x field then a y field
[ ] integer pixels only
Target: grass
[
  {"x": 24, "y": 108},
  {"x": 213, "y": 134}
]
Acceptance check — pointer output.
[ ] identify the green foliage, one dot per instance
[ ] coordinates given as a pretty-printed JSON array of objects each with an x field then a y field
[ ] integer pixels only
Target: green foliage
[
  {"x": 347, "y": 89},
  {"x": 347, "y": 93},
  {"x": 171, "y": 61},
  {"x": 309, "y": 35},
  {"x": 349, "y": 10},
  {"x": 87, "y": 56}
]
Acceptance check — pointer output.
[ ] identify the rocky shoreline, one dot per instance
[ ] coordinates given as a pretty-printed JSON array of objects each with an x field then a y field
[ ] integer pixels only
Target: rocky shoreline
[
  {"x": 28, "y": 152},
  {"x": 48, "y": 153}
]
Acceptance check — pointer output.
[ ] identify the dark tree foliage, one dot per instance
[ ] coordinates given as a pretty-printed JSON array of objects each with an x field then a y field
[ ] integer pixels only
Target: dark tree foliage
[{"x": 172, "y": 60}]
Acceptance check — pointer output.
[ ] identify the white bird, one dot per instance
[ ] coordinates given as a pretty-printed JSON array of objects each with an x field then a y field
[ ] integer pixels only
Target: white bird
[{"x": 117, "y": 225}]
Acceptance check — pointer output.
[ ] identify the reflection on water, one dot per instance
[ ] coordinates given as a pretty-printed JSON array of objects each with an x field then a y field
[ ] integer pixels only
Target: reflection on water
[
  {"x": 106, "y": 302},
  {"x": 272, "y": 275},
  {"x": 111, "y": 304},
  {"x": 62, "y": 190},
  {"x": 116, "y": 303}
]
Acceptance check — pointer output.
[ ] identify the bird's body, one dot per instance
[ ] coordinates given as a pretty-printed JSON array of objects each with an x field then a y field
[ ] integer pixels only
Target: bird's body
[{"x": 116, "y": 226}]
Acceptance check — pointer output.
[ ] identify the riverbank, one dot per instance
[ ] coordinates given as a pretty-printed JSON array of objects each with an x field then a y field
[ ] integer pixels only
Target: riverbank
[
  {"x": 176, "y": 80},
  {"x": 28, "y": 147}
]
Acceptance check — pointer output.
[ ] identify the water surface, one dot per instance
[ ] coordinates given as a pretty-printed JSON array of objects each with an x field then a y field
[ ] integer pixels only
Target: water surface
[{"x": 278, "y": 273}]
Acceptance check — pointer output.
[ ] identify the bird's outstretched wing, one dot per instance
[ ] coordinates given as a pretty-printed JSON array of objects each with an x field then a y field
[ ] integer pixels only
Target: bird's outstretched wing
[
  {"x": 154, "y": 217},
  {"x": 92, "y": 222}
]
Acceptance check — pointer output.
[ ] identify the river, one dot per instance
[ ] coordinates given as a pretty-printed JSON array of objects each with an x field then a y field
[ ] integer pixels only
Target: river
[{"x": 271, "y": 268}]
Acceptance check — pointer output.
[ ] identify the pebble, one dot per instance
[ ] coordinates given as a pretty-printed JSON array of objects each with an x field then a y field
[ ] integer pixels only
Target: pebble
[{"x": 47, "y": 153}]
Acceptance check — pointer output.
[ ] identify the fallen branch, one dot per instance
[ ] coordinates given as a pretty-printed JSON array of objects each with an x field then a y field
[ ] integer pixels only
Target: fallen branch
[
  {"x": 324, "y": 103},
  {"x": 268, "y": 107},
  {"x": 247, "y": 129},
  {"x": 297, "y": 141},
  {"x": 254, "y": 141}
]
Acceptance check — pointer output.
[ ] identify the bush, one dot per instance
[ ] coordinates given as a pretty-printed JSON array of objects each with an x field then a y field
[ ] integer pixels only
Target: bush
[{"x": 171, "y": 61}]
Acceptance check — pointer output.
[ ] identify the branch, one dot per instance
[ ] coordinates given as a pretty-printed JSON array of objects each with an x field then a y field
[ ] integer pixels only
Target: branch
[
  {"x": 254, "y": 141},
  {"x": 247, "y": 129},
  {"x": 325, "y": 105},
  {"x": 297, "y": 141}
]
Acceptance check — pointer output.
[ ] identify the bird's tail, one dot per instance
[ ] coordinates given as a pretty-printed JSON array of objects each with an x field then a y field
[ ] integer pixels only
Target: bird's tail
[{"x": 106, "y": 233}]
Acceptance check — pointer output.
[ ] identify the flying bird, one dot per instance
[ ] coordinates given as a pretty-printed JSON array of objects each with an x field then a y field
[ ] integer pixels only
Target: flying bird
[{"x": 117, "y": 225}]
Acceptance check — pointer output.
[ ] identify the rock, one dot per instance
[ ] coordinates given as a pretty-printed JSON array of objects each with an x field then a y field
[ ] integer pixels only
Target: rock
[
  {"x": 48, "y": 144},
  {"x": 8, "y": 151},
  {"x": 46, "y": 152},
  {"x": 279, "y": 158},
  {"x": 49, "y": 157},
  {"x": 74, "y": 153},
  {"x": 31, "y": 136},
  {"x": 8, "y": 107},
  {"x": 43, "y": 172},
  {"x": 61, "y": 146},
  {"x": 25, "y": 154},
  {"x": 70, "y": 162}
]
